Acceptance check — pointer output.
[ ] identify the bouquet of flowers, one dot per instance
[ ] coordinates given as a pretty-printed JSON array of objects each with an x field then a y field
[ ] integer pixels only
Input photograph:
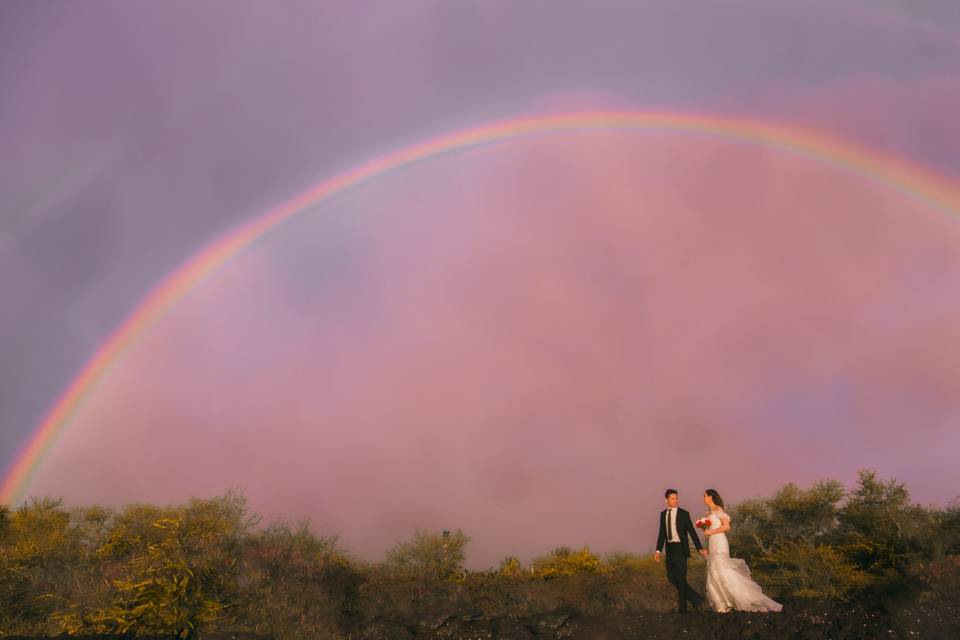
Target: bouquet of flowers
[{"x": 703, "y": 523}]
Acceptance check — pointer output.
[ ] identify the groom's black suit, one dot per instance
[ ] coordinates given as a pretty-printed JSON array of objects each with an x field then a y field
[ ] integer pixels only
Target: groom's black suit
[{"x": 677, "y": 554}]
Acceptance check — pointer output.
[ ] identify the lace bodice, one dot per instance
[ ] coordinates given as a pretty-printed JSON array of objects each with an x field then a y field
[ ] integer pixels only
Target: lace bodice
[
  {"x": 717, "y": 541},
  {"x": 715, "y": 522},
  {"x": 714, "y": 516}
]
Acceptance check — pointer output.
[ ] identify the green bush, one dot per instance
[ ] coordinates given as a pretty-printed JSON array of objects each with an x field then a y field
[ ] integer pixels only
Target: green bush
[
  {"x": 947, "y": 540},
  {"x": 183, "y": 569},
  {"x": 296, "y": 584},
  {"x": 177, "y": 576},
  {"x": 565, "y": 562},
  {"x": 632, "y": 563},
  {"x": 430, "y": 555},
  {"x": 40, "y": 554},
  {"x": 510, "y": 567},
  {"x": 808, "y": 571}
]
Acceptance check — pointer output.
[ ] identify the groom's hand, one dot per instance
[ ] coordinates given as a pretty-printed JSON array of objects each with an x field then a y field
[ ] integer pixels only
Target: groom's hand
[
  {"x": 656, "y": 556},
  {"x": 703, "y": 552}
]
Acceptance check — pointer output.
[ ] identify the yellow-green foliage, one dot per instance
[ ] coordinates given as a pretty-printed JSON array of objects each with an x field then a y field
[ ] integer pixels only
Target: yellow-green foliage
[
  {"x": 809, "y": 571},
  {"x": 510, "y": 567},
  {"x": 178, "y": 571},
  {"x": 563, "y": 561},
  {"x": 430, "y": 555},
  {"x": 632, "y": 563},
  {"x": 566, "y": 562},
  {"x": 295, "y": 584},
  {"x": 880, "y": 531},
  {"x": 38, "y": 557},
  {"x": 181, "y": 570},
  {"x": 791, "y": 515},
  {"x": 825, "y": 543},
  {"x": 40, "y": 532}
]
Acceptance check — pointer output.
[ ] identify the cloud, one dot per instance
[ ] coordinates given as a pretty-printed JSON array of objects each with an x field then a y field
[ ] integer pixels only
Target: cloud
[
  {"x": 902, "y": 115},
  {"x": 530, "y": 340}
]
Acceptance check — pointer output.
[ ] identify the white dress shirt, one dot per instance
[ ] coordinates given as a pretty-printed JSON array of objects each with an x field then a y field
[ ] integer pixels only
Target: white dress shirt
[{"x": 672, "y": 515}]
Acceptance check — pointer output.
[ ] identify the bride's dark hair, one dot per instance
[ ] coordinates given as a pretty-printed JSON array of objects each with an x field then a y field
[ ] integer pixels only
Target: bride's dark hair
[{"x": 717, "y": 500}]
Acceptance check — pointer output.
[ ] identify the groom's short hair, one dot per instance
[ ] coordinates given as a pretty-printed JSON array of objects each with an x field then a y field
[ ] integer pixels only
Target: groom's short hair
[{"x": 669, "y": 492}]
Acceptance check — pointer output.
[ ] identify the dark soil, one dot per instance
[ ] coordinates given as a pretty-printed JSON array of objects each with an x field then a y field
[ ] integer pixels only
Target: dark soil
[
  {"x": 800, "y": 622},
  {"x": 813, "y": 622}
]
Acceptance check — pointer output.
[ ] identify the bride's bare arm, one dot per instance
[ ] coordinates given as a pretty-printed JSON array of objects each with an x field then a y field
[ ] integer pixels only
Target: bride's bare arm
[{"x": 723, "y": 528}]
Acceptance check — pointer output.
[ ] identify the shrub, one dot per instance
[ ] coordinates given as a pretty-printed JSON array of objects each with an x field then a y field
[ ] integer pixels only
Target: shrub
[
  {"x": 297, "y": 584},
  {"x": 178, "y": 576},
  {"x": 565, "y": 562},
  {"x": 808, "y": 571},
  {"x": 510, "y": 567},
  {"x": 430, "y": 555}
]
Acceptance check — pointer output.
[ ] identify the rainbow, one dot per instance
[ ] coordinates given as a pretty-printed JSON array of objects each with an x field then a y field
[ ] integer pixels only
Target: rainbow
[{"x": 912, "y": 180}]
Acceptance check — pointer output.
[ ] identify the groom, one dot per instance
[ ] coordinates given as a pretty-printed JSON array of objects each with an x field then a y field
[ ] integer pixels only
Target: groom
[{"x": 675, "y": 526}]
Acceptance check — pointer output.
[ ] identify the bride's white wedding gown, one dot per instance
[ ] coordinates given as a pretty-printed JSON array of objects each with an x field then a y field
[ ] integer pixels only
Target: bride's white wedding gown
[{"x": 728, "y": 579}]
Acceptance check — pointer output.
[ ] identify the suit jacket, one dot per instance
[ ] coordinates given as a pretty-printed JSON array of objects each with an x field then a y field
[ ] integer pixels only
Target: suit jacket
[{"x": 684, "y": 528}]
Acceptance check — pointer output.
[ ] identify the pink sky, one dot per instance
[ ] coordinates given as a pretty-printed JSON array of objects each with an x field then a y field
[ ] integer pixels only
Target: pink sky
[
  {"x": 532, "y": 340},
  {"x": 528, "y": 341}
]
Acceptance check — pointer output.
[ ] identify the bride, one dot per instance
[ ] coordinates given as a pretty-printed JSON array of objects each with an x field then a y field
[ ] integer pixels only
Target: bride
[{"x": 728, "y": 579}]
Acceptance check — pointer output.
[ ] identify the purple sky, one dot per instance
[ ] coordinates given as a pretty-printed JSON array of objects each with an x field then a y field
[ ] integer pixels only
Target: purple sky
[{"x": 506, "y": 340}]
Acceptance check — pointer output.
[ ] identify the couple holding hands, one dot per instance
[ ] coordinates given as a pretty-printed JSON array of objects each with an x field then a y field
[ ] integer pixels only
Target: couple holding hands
[{"x": 729, "y": 585}]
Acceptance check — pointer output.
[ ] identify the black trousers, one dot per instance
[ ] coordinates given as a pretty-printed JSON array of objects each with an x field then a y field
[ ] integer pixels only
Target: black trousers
[{"x": 677, "y": 575}]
